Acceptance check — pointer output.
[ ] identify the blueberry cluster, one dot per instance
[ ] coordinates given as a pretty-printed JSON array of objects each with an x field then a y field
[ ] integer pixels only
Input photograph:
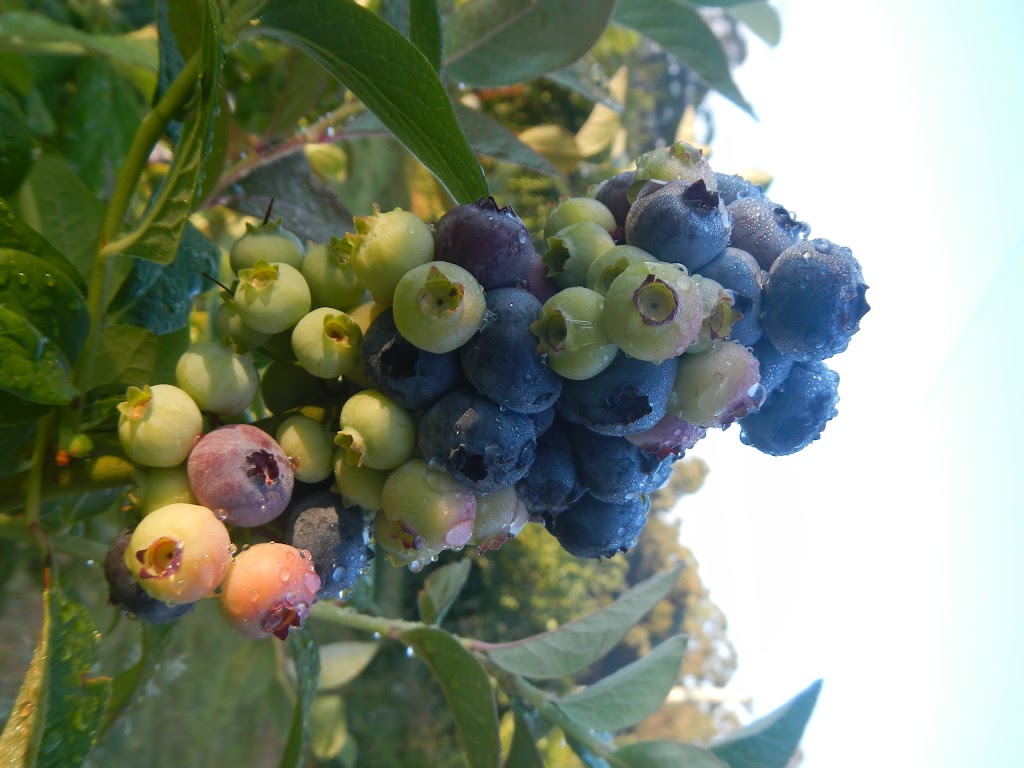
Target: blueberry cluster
[{"x": 466, "y": 384}]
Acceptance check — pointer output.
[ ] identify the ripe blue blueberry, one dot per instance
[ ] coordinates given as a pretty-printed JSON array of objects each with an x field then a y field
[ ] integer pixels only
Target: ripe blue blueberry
[
  {"x": 764, "y": 229},
  {"x": 737, "y": 271},
  {"x": 613, "y": 469},
  {"x": 592, "y": 528},
  {"x": 491, "y": 243}
]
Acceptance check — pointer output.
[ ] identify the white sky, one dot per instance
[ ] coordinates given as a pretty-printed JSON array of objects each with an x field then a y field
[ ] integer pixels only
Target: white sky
[{"x": 884, "y": 558}]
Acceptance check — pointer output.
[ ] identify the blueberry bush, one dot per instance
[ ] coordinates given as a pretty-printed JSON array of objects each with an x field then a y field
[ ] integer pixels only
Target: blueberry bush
[{"x": 309, "y": 307}]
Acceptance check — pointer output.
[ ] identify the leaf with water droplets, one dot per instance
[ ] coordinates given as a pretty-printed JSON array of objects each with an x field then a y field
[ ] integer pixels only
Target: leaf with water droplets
[
  {"x": 467, "y": 690},
  {"x": 571, "y": 647},
  {"x": 16, "y": 234},
  {"x": 31, "y": 366},
  {"x": 45, "y": 297},
  {"x": 59, "y": 709}
]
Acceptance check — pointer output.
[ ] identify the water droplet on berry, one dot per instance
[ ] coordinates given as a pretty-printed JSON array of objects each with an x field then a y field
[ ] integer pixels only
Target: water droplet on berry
[
  {"x": 285, "y": 575},
  {"x": 416, "y": 566},
  {"x": 337, "y": 574},
  {"x": 312, "y": 582}
]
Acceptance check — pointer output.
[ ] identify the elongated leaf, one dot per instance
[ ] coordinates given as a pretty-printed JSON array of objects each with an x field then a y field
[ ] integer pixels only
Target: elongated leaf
[
  {"x": 130, "y": 355},
  {"x": 425, "y": 30},
  {"x": 389, "y": 75},
  {"x": 629, "y": 694},
  {"x": 31, "y": 366},
  {"x": 60, "y": 707},
  {"x": 467, "y": 690},
  {"x": 523, "y": 751},
  {"x": 155, "y": 639},
  {"x": 45, "y": 297},
  {"x": 306, "y": 658},
  {"x": 501, "y": 42},
  {"x": 35, "y": 33},
  {"x": 17, "y": 235},
  {"x": 665, "y": 754},
  {"x": 771, "y": 741},
  {"x": 440, "y": 590},
  {"x": 762, "y": 19},
  {"x": 156, "y": 237},
  {"x": 586, "y": 78},
  {"x": 58, "y": 205},
  {"x": 680, "y": 29},
  {"x": 573, "y": 646},
  {"x": 342, "y": 662}
]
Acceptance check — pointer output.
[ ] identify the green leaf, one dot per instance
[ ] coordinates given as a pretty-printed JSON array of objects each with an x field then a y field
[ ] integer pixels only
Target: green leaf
[
  {"x": 523, "y": 751},
  {"x": 159, "y": 298},
  {"x": 665, "y": 754},
  {"x": 31, "y": 365},
  {"x": 58, "y": 205},
  {"x": 771, "y": 741},
  {"x": 306, "y": 658},
  {"x": 59, "y": 708},
  {"x": 573, "y": 646},
  {"x": 343, "y": 661},
  {"x": 492, "y": 139},
  {"x": 99, "y": 123},
  {"x": 155, "y": 639},
  {"x": 629, "y": 694},
  {"x": 389, "y": 75},
  {"x": 17, "y": 235},
  {"x": 680, "y": 30},
  {"x": 132, "y": 356},
  {"x": 45, "y": 297},
  {"x": 502, "y": 42},
  {"x": 761, "y": 18},
  {"x": 34, "y": 33},
  {"x": 440, "y": 589},
  {"x": 425, "y": 30},
  {"x": 156, "y": 237},
  {"x": 467, "y": 690}
]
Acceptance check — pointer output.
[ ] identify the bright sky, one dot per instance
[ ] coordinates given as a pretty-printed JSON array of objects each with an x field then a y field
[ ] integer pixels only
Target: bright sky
[{"x": 885, "y": 557}]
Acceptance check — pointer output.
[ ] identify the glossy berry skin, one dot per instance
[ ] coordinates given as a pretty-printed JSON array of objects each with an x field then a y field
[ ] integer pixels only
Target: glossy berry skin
[
  {"x": 764, "y": 229},
  {"x": 610, "y": 264},
  {"x": 573, "y": 249},
  {"x": 412, "y": 377},
  {"x": 499, "y": 517},
  {"x": 481, "y": 445},
  {"x": 309, "y": 447},
  {"x": 424, "y": 512},
  {"x": 217, "y": 377},
  {"x": 731, "y": 187},
  {"x": 242, "y": 474},
  {"x": 359, "y": 486},
  {"x": 773, "y": 366},
  {"x": 739, "y": 272},
  {"x": 375, "y": 432},
  {"x": 160, "y": 486},
  {"x": 336, "y": 536},
  {"x": 680, "y": 223},
  {"x": 670, "y": 437},
  {"x": 571, "y": 334},
  {"x": 813, "y": 300},
  {"x": 125, "y": 592},
  {"x": 592, "y": 528},
  {"x": 326, "y": 342},
  {"x": 438, "y": 306},
  {"x": 385, "y": 246},
  {"x": 501, "y": 360},
  {"x": 613, "y": 469},
  {"x": 268, "y": 242},
  {"x": 179, "y": 553},
  {"x": 678, "y": 162},
  {"x": 552, "y": 483},
  {"x": 613, "y": 193},
  {"x": 331, "y": 279},
  {"x": 492, "y": 243},
  {"x": 271, "y": 297},
  {"x": 268, "y": 589},
  {"x": 716, "y": 387},
  {"x": 573, "y": 210},
  {"x": 628, "y": 396},
  {"x": 158, "y": 425},
  {"x": 795, "y": 414}
]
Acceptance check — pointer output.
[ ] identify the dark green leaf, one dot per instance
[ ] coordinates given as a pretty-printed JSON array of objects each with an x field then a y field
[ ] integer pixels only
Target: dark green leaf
[
  {"x": 58, "y": 205},
  {"x": 129, "y": 355},
  {"x": 573, "y": 646},
  {"x": 440, "y": 589},
  {"x": 16, "y": 234},
  {"x": 665, "y": 754},
  {"x": 31, "y": 366},
  {"x": 171, "y": 59},
  {"x": 306, "y": 83},
  {"x": 586, "y": 78},
  {"x": 425, "y": 30},
  {"x": 523, "y": 751},
  {"x": 682, "y": 31},
  {"x": 34, "y": 33},
  {"x": 761, "y": 18},
  {"x": 45, "y": 297},
  {"x": 771, "y": 741},
  {"x": 467, "y": 690},
  {"x": 629, "y": 694},
  {"x": 501, "y": 42},
  {"x": 14, "y": 411},
  {"x": 157, "y": 236},
  {"x": 306, "y": 658},
  {"x": 389, "y": 75},
  {"x": 99, "y": 124},
  {"x": 60, "y": 707},
  {"x": 159, "y": 298}
]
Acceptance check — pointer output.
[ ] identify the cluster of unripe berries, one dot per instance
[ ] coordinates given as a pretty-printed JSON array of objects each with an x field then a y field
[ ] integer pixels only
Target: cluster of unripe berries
[{"x": 467, "y": 385}]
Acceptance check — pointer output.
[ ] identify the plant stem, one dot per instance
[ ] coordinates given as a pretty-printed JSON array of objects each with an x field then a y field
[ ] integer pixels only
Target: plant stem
[
  {"x": 349, "y": 617},
  {"x": 34, "y": 484}
]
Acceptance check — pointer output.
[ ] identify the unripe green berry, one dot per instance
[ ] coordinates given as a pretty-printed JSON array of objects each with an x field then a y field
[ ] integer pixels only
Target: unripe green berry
[
  {"x": 612, "y": 263},
  {"x": 268, "y": 242},
  {"x": 160, "y": 486},
  {"x": 376, "y": 432},
  {"x": 309, "y": 447},
  {"x": 158, "y": 425},
  {"x": 572, "y": 335},
  {"x": 271, "y": 297},
  {"x": 326, "y": 342},
  {"x": 438, "y": 306},
  {"x": 218, "y": 378},
  {"x": 332, "y": 281},
  {"x": 573, "y": 210},
  {"x": 571, "y": 252},
  {"x": 358, "y": 486},
  {"x": 387, "y": 245}
]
